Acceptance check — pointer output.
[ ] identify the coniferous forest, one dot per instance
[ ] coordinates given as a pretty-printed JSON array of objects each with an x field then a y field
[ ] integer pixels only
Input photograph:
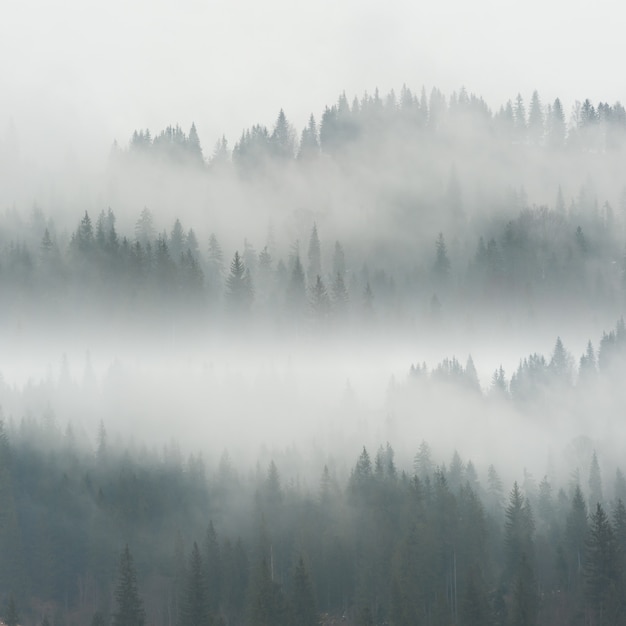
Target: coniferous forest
[{"x": 367, "y": 373}]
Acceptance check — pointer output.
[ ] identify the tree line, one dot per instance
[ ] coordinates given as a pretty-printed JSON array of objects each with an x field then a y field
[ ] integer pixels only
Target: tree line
[
  {"x": 130, "y": 536},
  {"x": 590, "y": 127},
  {"x": 541, "y": 261}
]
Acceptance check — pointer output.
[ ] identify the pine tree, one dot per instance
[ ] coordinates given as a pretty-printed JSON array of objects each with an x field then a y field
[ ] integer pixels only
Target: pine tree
[
  {"x": 320, "y": 302},
  {"x": 423, "y": 463},
  {"x": 474, "y": 604},
  {"x": 498, "y": 383},
  {"x": 130, "y": 611},
  {"x": 575, "y": 535},
  {"x": 525, "y": 601},
  {"x": 471, "y": 375},
  {"x": 194, "y": 149},
  {"x": 239, "y": 286},
  {"x": 595, "y": 483},
  {"x": 520, "y": 118},
  {"x": 619, "y": 527},
  {"x": 194, "y": 608},
  {"x": 145, "y": 231},
  {"x": 268, "y": 606},
  {"x": 556, "y": 126},
  {"x": 213, "y": 568},
  {"x": 339, "y": 295},
  {"x": 177, "y": 241},
  {"x": 221, "y": 153},
  {"x": 315, "y": 257},
  {"x": 519, "y": 528},
  {"x": 282, "y": 139},
  {"x": 309, "y": 143},
  {"x": 561, "y": 364},
  {"x": 305, "y": 613},
  {"x": 535, "y": 120},
  {"x": 339, "y": 260},
  {"x": 296, "y": 288},
  {"x": 602, "y": 568},
  {"x": 83, "y": 238},
  {"x": 588, "y": 369}
]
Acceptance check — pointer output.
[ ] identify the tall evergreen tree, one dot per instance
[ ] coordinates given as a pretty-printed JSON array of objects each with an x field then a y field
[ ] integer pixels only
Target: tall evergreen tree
[
  {"x": 145, "y": 231},
  {"x": 282, "y": 140},
  {"x": 602, "y": 568},
  {"x": 130, "y": 611},
  {"x": 519, "y": 528},
  {"x": 595, "y": 483},
  {"x": 194, "y": 149},
  {"x": 194, "y": 610},
  {"x": 535, "y": 120},
  {"x": 296, "y": 288},
  {"x": 268, "y": 605},
  {"x": 304, "y": 610},
  {"x": 309, "y": 143},
  {"x": 556, "y": 126},
  {"x": 575, "y": 536},
  {"x": 442, "y": 262},
  {"x": 315, "y": 256},
  {"x": 239, "y": 286},
  {"x": 320, "y": 302},
  {"x": 213, "y": 568}
]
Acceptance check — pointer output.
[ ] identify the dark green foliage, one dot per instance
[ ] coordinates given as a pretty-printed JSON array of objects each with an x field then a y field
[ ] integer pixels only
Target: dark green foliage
[
  {"x": 314, "y": 256},
  {"x": 129, "y": 611},
  {"x": 213, "y": 569},
  {"x": 595, "y": 483},
  {"x": 194, "y": 609},
  {"x": 602, "y": 568},
  {"x": 524, "y": 602},
  {"x": 436, "y": 548},
  {"x": 282, "y": 140},
  {"x": 518, "y": 538},
  {"x": 309, "y": 142},
  {"x": 303, "y": 600},
  {"x": 268, "y": 606},
  {"x": 475, "y": 609},
  {"x": 239, "y": 289}
]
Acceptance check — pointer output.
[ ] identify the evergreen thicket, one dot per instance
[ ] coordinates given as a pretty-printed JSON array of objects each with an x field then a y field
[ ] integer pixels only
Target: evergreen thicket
[
  {"x": 408, "y": 214},
  {"x": 437, "y": 546}
]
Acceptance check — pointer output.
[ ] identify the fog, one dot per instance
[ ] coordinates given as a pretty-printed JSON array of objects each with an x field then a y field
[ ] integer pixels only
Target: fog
[
  {"x": 437, "y": 228},
  {"x": 405, "y": 270}
]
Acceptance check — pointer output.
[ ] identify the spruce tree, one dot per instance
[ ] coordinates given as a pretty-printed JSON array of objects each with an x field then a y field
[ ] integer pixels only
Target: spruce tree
[
  {"x": 194, "y": 607},
  {"x": 130, "y": 611},
  {"x": 315, "y": 255},
  {"x": 602, "y": 568},
  {"x": 239, "y": 286},
  {"x": 305, "y": 613},
  {"x": 595, "y": 483}
]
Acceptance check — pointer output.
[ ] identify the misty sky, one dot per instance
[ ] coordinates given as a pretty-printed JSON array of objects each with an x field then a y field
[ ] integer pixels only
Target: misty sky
[{"x": 97, "y": 70}]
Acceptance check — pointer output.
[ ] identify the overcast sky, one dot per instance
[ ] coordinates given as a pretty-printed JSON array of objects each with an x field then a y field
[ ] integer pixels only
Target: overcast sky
[{"x": 97, "y": 69}]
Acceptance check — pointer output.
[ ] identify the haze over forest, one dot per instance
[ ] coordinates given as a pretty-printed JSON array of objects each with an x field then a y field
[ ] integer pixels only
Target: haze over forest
[{"x": 367, "y": 371}]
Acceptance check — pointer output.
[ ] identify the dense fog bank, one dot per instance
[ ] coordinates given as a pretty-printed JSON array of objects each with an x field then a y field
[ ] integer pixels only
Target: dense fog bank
[{"x": 369, "y": 373}]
